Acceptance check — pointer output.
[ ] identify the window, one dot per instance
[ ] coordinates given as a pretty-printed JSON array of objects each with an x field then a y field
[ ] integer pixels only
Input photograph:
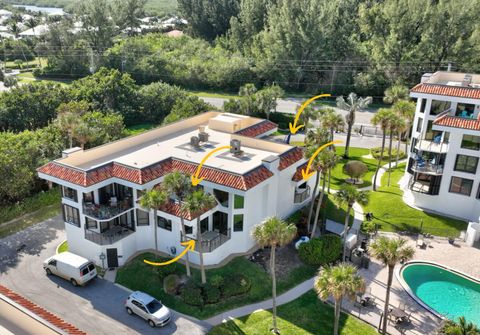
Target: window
[
  {"x": 204, "y": 225},
  {"x": 222, "y": 197},
  {"x": 188, "y": 229},
  {"x": 70, "y": 215},
  {"x": 238, "y": 201},
  {"x": 422, "y": 105},
  {"x": 471, "y": 142},
  {"x": 439, "y": 107},
  {"x": 164, "y": 223},
  {"x": 478, "y": 192},
  {"x": 143, "y": 218},
  {"x": 466, "y": 163},
  {"x": 419, "y": 124},
  {"x": 69, "y": 193},
  {"x": 238, "y": 222},
  {"x": 91, "y": 224},
  {"x": 461, "y": 185},
  {"x": 465, "y": 110}
]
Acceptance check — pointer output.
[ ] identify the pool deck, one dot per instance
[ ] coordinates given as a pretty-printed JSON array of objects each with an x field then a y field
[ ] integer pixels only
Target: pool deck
[{"x": 459, "y": 257}]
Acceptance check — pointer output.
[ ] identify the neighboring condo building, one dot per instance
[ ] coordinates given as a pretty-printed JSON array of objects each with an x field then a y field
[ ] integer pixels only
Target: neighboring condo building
[
  {"x": 101, "y": 187},
  {"x": 442, "y": 168}
]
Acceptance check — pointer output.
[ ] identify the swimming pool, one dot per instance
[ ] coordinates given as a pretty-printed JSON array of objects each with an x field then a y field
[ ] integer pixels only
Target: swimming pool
[{"x": 445, "y": 292}]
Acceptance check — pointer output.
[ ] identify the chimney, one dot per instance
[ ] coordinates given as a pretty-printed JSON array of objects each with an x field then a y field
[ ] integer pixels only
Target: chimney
[
  {"x": 70, "y": 151},
  {"x": 271, "y": 162},
  {"x": 467, "y": 80}
]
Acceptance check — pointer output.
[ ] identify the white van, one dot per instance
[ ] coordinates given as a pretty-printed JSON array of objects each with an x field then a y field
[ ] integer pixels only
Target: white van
[{"x": 76, "y": 269}]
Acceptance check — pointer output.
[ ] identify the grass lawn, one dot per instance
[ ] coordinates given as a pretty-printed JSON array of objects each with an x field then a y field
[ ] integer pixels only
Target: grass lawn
[
  {"x": 303, "y": 316},
  {"x": 63, "y": 247},
  {"x": 139, "y": 128},
  {"x": 336, "y": 213},
  {"x": 208, "y": 94},
  {"x": 139, "y": 276},
  {"x": 27, "y": 77},
  {"x": 392, "y": 214}
]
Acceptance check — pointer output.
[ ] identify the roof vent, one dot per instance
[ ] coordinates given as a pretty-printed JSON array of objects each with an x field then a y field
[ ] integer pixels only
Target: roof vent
[
  {"x": 467, "y": 80},
  {"x": 425, "y": 77},
  {"x": 202, "y": 134},
  {"x": 236, "y": 149},
  {"x": 195, "y": 142}
]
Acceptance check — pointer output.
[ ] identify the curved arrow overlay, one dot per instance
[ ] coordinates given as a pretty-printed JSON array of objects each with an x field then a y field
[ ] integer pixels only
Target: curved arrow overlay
[
  {"x": 190, "y": 245},
  {"x": 293, "y": 127},
  {"x": 306, "y": 174},
  {"x": 194, "y": 178}
]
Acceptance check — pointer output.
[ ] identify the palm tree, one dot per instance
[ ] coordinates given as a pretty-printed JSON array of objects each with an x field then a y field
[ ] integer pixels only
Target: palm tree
[
  {"x": 325, "y": 162},
  {"x": 274, "y": 232},
  {"x": 397, "y": 124},
  {"x": 382, "y": 118},
  {"x": 31, "y": 23},
  {"x": 154, "y": 199},
  {"x": 395, "y": 93},
  {"x": 390, "y": 252},
  {"x": 308, "y": 114},
  {"x": 14, "y": 29},
  {"x": 314, "y": 139},
  {"x": 83, "y": 133},
  {"x": 407, "y": 110},
  {"x": 461, "y": 327},
  {"x": 334, "y": 122},
  {"x": 349, "y": 195},
  {"x": 179, "y": 185},
  {"x": 196, "y": 203},
  {"x": 352, "y": 104},
  {"x": 248, "y": 91},
  {"x": 69, "y": 117},
  {"x": 338, "y": 282}
]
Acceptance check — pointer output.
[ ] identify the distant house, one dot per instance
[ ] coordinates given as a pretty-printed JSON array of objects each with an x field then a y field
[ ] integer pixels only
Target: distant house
[
  {"x": 174, "y": 33},
  {"x": 5, "y": 13},
  {"x": 38, "y": 31}
]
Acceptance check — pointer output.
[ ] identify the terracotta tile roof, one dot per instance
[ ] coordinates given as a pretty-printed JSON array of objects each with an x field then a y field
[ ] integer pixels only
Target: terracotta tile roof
[
  {"x": 240, "y": 182},
  {"x": 290, "y": 157},
  {"x": 453, "y": 91},
  {"x": 457, "y": 122},
  {"x": 175, "y": 208},
  {"x": 257, "y": 129},
  {"x": 42, "y": 313},
  {"x": 297, "y": 176},
  {"x": 142, "y": 176}
]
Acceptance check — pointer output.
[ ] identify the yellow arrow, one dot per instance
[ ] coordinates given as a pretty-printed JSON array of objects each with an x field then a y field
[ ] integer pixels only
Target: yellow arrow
[
  {"x": 190, "y": 245},
  {"x": 195, "y": 179},
  {"x": 305, "y": 173},
  {"x": 293, "y": 127}
]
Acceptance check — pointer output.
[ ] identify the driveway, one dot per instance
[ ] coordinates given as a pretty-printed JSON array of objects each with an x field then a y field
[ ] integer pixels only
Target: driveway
[{"x": 96, "y": 308}]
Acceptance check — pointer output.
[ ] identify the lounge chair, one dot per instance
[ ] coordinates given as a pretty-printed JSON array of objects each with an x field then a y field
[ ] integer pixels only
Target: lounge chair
[{"x": 421, "y": 243}]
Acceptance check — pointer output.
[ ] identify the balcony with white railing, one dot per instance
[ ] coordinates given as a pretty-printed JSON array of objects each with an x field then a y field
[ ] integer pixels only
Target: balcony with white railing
[
  {"x": 301, "y": 194},
  {"x": 211, "y": 240}
]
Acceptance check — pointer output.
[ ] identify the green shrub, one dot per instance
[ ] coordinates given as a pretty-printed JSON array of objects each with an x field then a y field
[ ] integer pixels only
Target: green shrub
[
  {"x": 236, "y": 285},
  {"x": 171, "y": 284},
  {"x": 376, "y": 153},
  {"x": 192, "y": 294},
  {"x": 211, "y": 294},
  {"x": 320, "y": 251},
  {"x": 217, "y": 281},
  {"x": 164, "y": 271}
]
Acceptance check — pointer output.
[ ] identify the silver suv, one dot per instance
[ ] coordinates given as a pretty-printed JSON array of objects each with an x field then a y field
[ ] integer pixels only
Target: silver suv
[{"x": 148, "y": 308}]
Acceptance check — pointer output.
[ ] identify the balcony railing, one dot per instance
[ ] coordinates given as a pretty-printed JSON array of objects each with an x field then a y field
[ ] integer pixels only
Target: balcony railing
[
  {"x": 211, "y": 240},
  {"x": 104, "y": 212},
  {"x": 427, "y": 168},
  {"x": 109, "y": 237},
  {"x": 301, "y": 194}
]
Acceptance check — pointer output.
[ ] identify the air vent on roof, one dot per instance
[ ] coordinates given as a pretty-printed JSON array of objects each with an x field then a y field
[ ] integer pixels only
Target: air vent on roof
[
  {"x": 202, "y": 134},
  {"x": 467, "y": 80},
  {"x": 195, "y": 142},
  {"x": 236, "y": 147}
]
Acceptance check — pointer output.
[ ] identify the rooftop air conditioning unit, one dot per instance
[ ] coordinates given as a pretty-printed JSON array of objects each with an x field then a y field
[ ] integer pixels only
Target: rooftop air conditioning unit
[
  {"x": 202, "y": 134},
  {"x": 235, "y": 147},
  {"x": 195, "y": 142},
  {"x": 467, "y": 80}
]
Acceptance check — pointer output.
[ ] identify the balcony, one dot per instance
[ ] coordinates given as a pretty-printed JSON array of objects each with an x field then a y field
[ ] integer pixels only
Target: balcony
[
  {"x": 427, "y": 168},
  {"x": 106, "y": 212},
  {"x": 435, "y": 146},
  {"x": 108, "y": 237},
  {"x": 301, "y": 194},
  {"x": 211, "y": 240}
]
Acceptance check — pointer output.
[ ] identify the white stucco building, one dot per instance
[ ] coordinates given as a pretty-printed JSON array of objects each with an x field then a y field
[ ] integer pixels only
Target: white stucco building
[
  {"x": 101, "y": 186},
  {"x": 445, "y": 149}
]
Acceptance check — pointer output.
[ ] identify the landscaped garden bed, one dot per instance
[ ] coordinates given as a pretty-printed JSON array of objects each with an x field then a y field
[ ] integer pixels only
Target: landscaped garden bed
[
  {"x": 303, "y": 316},
  {"x": 238, "y": 283}
]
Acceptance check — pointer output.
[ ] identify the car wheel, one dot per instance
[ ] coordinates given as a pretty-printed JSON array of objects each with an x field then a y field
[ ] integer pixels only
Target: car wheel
[
  {"x": 74, "y": 282},
  {"x": 48, "y": 271},
  {"x": 129, "y": 311},
  {"x": 151, "y": 323}
]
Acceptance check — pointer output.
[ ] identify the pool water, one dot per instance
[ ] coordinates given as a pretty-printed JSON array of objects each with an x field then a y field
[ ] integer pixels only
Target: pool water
[{"x": 444, "y": 291}]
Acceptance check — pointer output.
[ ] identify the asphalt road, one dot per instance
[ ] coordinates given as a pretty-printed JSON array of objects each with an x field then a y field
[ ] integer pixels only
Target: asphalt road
[{"x": 96, "y": 308}]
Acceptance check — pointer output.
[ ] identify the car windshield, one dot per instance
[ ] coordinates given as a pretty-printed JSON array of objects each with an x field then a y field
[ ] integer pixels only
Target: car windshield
[{"x": 154, "y": 306}]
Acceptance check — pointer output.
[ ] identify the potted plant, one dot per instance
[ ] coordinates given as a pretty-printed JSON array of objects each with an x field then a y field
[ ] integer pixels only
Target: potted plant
[{"x": 451, "y": 239}]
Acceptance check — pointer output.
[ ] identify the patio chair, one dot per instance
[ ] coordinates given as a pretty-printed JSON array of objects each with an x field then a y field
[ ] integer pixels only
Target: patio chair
[
  {"x": 408, "y": 318},
  {"x": 358, "y": 301},
  {"x": 420, "y": 243}
]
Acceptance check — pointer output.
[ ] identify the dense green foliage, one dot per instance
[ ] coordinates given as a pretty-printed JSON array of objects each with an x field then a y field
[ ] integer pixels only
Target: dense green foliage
[{"x": 321, "y": 251}]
